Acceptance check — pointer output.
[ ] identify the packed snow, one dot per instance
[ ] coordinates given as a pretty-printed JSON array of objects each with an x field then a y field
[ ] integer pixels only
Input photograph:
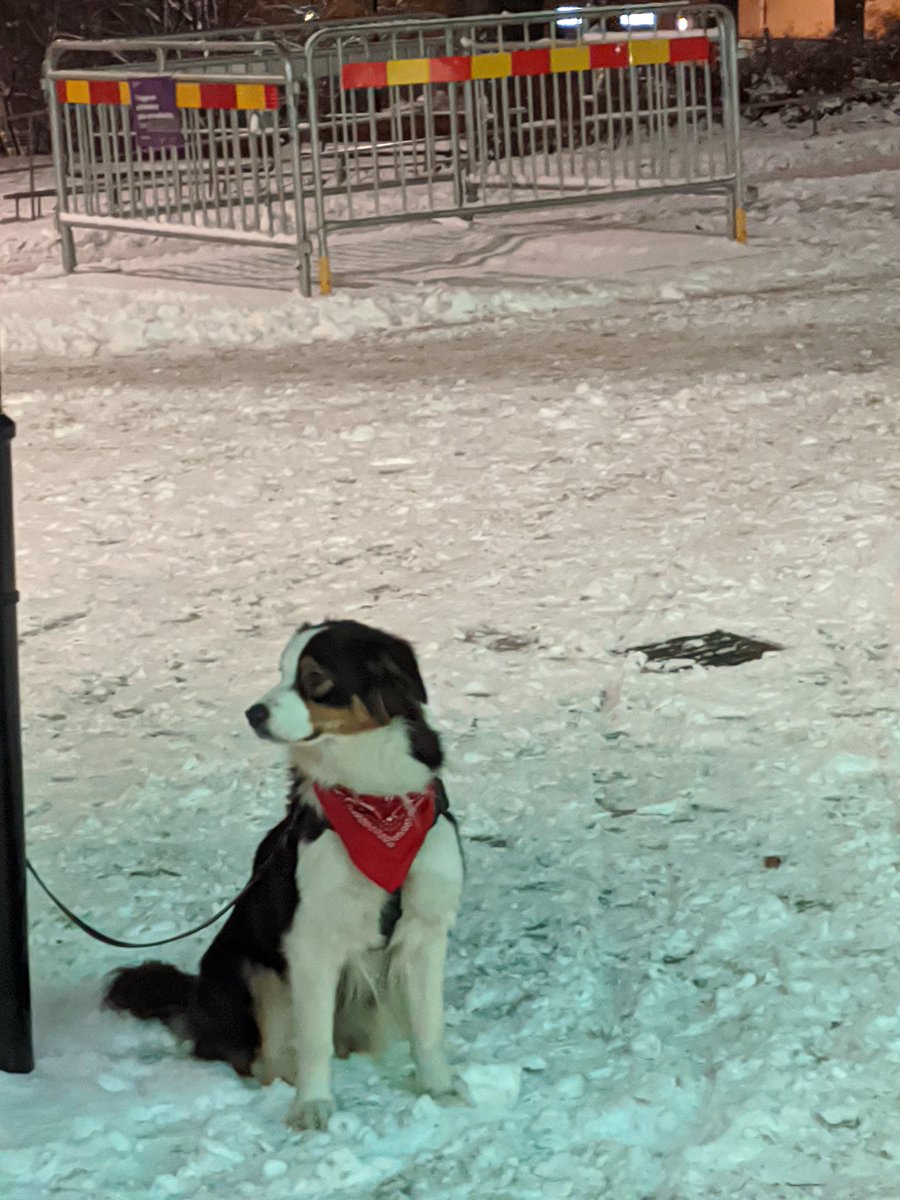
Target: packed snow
[{"x": 526, "y": 444}]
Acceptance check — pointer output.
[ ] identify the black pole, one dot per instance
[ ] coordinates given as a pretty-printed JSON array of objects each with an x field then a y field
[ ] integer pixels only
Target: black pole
[{"x": 16, "y": 1053}]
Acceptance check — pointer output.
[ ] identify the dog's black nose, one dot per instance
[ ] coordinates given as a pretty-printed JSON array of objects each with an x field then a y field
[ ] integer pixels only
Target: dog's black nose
[{"x": 257, "y": 715}]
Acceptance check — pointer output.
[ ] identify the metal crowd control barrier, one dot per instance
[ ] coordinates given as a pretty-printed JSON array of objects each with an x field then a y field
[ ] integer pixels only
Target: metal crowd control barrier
[
  {"x": 194, "y": 137},
  {"x": 484, "y": 114},
  {"x": 275, "y": 136}
]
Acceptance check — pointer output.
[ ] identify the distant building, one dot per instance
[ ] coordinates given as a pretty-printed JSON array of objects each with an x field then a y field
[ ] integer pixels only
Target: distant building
[{"x": 805, "y": 18}]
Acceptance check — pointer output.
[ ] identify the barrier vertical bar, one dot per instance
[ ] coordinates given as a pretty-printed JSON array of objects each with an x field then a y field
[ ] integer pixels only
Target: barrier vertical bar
[
  {"x": 67, "y": 240},
  {"x": 731, "y": 120},
  {"x": 293, "y": 120},
  {"x": 454, "y": 105},
  {"x": 348, "y": 161},
  {"x": 429, "y": 135},
  {"x": 84, "y": 139},
  {"x": 318, "y": 185}
]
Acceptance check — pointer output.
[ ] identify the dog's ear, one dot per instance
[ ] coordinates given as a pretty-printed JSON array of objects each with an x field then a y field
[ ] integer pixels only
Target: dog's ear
[
  {"x": 398, "y": 691},
  {"x": 396, "y": 688}
]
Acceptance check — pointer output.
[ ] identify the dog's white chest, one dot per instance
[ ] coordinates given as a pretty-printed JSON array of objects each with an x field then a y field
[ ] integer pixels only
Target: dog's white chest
[{"x": 336, "y": 902}]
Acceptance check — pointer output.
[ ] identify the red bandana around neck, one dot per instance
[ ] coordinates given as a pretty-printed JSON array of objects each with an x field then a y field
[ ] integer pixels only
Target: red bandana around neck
[{"x": 381, "y": 834}]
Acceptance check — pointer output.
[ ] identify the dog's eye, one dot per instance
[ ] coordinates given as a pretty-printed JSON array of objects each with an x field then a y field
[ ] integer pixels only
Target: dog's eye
[{"x": 316, "y": 684}]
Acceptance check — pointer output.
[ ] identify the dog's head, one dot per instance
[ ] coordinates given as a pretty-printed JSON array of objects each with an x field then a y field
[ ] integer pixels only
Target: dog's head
[{"x": 342, "y": 678}]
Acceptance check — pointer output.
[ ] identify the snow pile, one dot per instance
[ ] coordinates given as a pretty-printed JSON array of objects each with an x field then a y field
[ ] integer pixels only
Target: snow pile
[{"x": 110, "y": 321}]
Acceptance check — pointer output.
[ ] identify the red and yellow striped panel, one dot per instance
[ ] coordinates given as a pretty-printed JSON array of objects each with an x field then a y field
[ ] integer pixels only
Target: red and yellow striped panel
[
  {"x": 592, "y": 56},
  {"x": 92, "y": 91},
  {"x": 187, "y": 95},
  {"x": 689, "y": 49}
]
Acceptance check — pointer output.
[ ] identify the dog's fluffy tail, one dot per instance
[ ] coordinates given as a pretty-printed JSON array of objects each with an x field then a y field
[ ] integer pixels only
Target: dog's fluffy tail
[
  {"x": 214, "y": 1013},
  {"x": 154, "y": 991}
]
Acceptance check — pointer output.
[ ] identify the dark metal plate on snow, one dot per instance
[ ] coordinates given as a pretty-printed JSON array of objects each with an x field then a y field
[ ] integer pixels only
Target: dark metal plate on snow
[{"x": 716, "y": 649}]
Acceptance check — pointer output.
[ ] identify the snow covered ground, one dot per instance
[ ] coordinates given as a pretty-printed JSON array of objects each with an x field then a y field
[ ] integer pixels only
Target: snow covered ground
[{"x": 676, "y": 974}]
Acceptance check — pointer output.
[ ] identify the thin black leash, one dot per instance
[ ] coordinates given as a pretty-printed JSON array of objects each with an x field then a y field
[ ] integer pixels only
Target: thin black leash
[
  {"x": 176, "y": 937},
  {"x": 111, "y": 941}
]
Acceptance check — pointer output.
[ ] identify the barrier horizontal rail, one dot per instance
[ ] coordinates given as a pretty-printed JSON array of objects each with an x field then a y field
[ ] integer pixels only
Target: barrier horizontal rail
[
  {"x": 243, "y": 96},
  {"x": 559, "y": 60}
]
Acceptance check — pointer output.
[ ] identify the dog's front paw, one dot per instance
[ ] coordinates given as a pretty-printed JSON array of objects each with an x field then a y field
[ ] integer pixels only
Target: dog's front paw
[
  {"x": 266, "y": 1071},
  {"x": 434, "y": 1078},
  {"x": 310, "y": 1114},
  {"x": 263, "y": 1071}
]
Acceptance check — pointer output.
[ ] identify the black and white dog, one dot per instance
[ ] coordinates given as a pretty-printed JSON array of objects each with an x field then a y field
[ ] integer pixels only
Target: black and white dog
[{"x": 339, "y": 941}]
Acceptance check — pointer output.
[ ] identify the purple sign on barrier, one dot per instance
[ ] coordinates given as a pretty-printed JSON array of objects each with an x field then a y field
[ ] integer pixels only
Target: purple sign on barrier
[{"x": 154, "y": 114}]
